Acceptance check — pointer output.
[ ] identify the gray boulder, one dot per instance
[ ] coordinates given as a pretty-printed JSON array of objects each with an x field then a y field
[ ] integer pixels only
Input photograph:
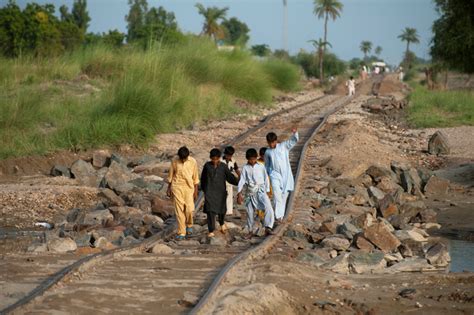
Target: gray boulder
[
  {"x": 60, "y": 170},
  {"x": 61, "y": 245},
  {"x": 85, "y": 173},
  {"x": 438, "y": 144},
  {"x": 337, "y": 242},
  {"x": 363, "y": 262}
]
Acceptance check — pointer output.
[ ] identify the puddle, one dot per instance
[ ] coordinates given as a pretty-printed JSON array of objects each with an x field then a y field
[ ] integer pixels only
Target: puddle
[{"x": 462, "y": 255}]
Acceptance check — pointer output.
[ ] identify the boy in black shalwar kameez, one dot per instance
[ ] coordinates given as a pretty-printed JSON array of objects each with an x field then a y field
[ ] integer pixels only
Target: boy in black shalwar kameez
[{"x": 214, "y": 176}]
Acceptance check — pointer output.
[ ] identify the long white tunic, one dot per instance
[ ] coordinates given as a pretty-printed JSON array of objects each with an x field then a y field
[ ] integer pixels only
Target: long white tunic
[{"x": 277, "y": 163}]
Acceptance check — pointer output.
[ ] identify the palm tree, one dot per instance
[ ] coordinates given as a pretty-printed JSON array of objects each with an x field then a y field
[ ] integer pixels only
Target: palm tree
[
  {"x": 320, "y": 47},
  {"x": 409, "y": 35},
  {"x": 212, "y": 15},
  {"x": 378, "y": 50},
  {"x": 366, "y": 47},
  {"x": 325, "y": 9}
]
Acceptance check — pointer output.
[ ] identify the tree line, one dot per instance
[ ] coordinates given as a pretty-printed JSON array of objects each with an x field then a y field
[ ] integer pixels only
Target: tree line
[{"x": 41, "y": 31}]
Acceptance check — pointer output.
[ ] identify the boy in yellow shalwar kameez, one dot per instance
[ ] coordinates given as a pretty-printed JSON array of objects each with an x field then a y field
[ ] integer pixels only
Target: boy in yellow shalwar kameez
[{"x": 183, "y": 182}]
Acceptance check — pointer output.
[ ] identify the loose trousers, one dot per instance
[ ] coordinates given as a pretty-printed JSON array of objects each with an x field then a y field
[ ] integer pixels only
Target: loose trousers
[
  {"x": 211, "y": 221},
  {"x": 183, "y": 208},
  {"x": 279, "y": 200},
  {"x": 269, "y": 218}
]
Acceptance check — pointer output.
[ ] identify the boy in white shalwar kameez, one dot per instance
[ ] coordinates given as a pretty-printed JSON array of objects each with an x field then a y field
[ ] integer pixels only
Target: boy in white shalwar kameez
[
  {"x": 277, "y": 163},
  {"x": 256, "y": 185}
]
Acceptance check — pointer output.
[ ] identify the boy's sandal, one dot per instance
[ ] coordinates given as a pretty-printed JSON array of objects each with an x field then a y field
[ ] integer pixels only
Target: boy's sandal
[
  {"x": 210, "y": 234},
  {"x": 189, "y": 231},
  {"x": 180, "y": 237}
]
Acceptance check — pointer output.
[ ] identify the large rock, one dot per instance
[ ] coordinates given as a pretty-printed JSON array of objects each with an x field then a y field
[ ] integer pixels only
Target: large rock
[
  {"x": 161, "y": 249},
  {"x": 329, "y": 226},
  {"x": 61, "y": 245},
  {"x": 163, "y": 208},
  {"x": 379, "y": 235},
  {"x": 339, "y": 264},
  {"x": 363, "y": 262},
  {"x": 348, "y": 230},
  {"x": 404, "y": 235},
  {"x": 363, "y": 244},
  {"x": 388, "y": 185},
  {"x": 312, "y": 258},
  {"x": 127, "y": 214},
  {"x": 111, "y": 197},
  {"x": 85, "y": 173},
  {"x": 410, "y": 210},
  {"x": 363, "y": 221},
  {"x": 376, "y": 194},
  {"x": 114, "y": 235},
  {"x": 411, "y": 181},
  {"x": 60, "y": 170},
  {"x": 101, "y": 158},
  {"x": 436, "y": 187},
  {"x": 103, "y": 243},
  {"x": 411, "y": 248},
  {"x": 98, "y": 217},
  {"x": 438, "y": 144},
  {"x": 118, "y": 177},
  {"x": 438, "y": 255},
  {"x": 376, "y": 172},
  {"x": 398, "y": 168},
  {"x": 337, "y": 242},
  {"x": 410, "y": 265}
]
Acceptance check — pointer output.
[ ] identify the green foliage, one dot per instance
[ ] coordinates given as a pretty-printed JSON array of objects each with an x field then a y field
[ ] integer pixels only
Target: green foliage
[
  {"x": 366, "y": 47},
  {"x": 441, "y": 108},
  {"x": 262, "y": 50},
  {"x": 146, "y": 27},
  {"x": 328, "y": 8},
  {"x": 212, "y": 16},
  {"x": 236, "y": 32},
  {"x": 281, "y": 54},
  {"x": 37, "y": 30},
  {"x": 453, "y": 41},
  {"x": 409, "y": 35},
  {"x": 113, "y": 38},
  {"x": 136, "y": 19},
  {"x": 284, "y": 75},
  {"x": 310, "y": 63},
  {"x": 45, "y": 106}
]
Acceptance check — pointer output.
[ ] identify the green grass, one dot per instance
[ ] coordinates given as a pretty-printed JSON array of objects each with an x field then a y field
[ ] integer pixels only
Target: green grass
[
  {"x": 440, "y": 108},
  {"x": 104, "y": 97}
]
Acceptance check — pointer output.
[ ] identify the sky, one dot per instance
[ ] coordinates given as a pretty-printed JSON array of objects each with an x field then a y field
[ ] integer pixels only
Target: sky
[{"x": 379, "y": 21}]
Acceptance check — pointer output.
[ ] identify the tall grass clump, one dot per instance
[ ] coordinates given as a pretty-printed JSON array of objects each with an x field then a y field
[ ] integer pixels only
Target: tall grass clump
[
  {"x": 102, "y": 96},
  {"x": 283, "y": 75},
  {"x": 441, "y": 108}
]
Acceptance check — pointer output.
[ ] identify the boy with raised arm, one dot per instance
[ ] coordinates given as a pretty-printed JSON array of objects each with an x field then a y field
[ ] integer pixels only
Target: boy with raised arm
[{"x": 277, "y": 164}]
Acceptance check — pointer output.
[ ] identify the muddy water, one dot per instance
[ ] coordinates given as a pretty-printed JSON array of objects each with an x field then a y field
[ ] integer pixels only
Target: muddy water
[{"x": 462, "y": 255}]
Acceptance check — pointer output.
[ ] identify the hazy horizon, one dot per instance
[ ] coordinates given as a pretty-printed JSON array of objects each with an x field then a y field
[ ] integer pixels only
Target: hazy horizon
[{"x": 379, "y": 21}]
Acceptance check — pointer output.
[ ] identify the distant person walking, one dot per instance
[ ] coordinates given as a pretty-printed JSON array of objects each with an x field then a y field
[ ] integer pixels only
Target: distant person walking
[
  {"x": 351, "y": 86},
  {"x": 277, "y": 163},
  {"x": 183, "y": 182},
  {"x": 401, "y": 75}
]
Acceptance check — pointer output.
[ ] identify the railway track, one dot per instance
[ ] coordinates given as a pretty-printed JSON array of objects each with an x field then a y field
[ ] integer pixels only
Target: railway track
[{"x": 131, "y": 280}]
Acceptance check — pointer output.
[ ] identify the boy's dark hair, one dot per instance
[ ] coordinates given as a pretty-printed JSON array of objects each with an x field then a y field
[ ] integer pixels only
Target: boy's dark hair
[
  {"x": 262, "y": 151},
  {"x": 229, "y": 150},
  {"x": 271, "y": 136},
  {"x": 251, "y": 153},
  {"x": 183, "y": 153},
  {"x": 352, "y": 77},
  {"x": 215, "y": 153}
]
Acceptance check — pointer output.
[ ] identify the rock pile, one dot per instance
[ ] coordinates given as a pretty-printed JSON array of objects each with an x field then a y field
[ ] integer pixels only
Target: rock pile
[
  {"x": 375, "y": 223},
  {"x": 133, "y": 205},
  {"x": 378, "y": 105}
]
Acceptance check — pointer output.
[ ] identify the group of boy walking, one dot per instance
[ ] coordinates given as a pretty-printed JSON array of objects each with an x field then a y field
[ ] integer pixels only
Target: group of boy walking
[{"x": 262, "y": 177}]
